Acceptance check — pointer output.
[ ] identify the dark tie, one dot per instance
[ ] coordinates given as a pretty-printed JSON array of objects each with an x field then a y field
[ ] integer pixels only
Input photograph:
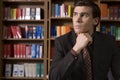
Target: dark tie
[{"x": 87, "y": 60}]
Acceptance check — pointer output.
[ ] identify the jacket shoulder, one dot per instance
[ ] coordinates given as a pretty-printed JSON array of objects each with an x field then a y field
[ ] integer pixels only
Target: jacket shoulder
[{"x": 65, "y": 36}]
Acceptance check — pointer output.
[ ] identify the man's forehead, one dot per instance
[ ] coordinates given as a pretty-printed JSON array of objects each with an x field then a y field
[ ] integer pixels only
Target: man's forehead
[{"x": 83, "y": 9}]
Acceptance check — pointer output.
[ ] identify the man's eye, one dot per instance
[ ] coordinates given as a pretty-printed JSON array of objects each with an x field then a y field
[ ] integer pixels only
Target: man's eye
[
  {"x": 75, "y": 14},
  {"x": 84, "y": 15}
]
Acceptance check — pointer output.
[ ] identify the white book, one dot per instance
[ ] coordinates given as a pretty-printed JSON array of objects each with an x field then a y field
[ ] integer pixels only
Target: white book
[
  {"x": 62, "y": 10},
  {"x": 26, "y": 70},
  {"x": 21, "y": 70},
  {"x": 33, "y": 69},
  {"x": 15, "y": 70},
  {"x": 27, "y": 14},
  {"x": 8, "y": 68},
  {"x": 38, "y": 14},
  {"x": 41, "y": 50},
  {"x": 30, "y": 70}
]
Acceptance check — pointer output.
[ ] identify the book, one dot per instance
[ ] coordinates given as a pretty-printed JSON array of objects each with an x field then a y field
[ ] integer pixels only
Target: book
[
  {"x": 32, "y": 13},
  {"x": 38, "y": 14},
  {"x": 28, "y": 50},
  {"x": 38, "y": 70},
  {"x": 8, "y": 70},
  {"x": 20, "y": 70},
  {"x": 33, "y": 51},
  {"x": 27, "y": 13},
  {"x": 15, "y": 70},
  {"x": 104, "y": 11}
]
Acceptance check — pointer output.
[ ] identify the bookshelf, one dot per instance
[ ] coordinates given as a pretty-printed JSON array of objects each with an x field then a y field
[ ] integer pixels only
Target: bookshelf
[
  {"x": 23, "y": 39},
  {"x": 110, "y": 18}
]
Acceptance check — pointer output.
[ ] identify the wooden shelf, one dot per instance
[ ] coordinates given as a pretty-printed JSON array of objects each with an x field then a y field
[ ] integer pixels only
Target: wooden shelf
[
  {"x": 106, "y": 20},
  {"x": 23, "y": 39},
  {"x": 42, "y": 5},
  {"x": 23, "y": 1},
  {"x": 22, "y": 78},
  {"x": 61, "y": 18},
  {"x": 109, "y": 1},
  {"x": 10, "y": 20},
  {"x": 23, "y": 59}
]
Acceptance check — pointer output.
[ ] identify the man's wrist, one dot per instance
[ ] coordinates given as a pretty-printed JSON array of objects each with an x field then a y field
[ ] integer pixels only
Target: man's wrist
[{"x": 74, "y": 52}]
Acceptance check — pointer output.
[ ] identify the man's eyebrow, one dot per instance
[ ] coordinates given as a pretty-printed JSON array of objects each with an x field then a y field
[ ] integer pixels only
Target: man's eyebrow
[
  {"x": 75, "y": 12},
  {"x": 81, "y": 12}
]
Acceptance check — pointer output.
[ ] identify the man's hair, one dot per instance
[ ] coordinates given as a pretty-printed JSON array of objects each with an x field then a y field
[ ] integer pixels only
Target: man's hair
[{"x": 95, "y": 8}]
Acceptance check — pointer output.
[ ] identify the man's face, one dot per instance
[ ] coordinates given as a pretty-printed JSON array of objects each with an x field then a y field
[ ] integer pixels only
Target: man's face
[{"x": 83, "y": 21}]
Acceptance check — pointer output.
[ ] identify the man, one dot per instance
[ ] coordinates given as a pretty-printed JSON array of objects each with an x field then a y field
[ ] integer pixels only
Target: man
[{"x": 68, "y": 62}]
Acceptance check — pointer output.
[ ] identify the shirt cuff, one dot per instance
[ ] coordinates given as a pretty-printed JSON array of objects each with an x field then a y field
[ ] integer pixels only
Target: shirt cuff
[{"x": 74, "y": 54}]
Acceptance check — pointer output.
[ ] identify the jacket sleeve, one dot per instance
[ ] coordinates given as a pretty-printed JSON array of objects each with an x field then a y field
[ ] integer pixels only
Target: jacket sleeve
[
  {"x": 115, "y": 67},
  {"x": 62, "y": 64}
]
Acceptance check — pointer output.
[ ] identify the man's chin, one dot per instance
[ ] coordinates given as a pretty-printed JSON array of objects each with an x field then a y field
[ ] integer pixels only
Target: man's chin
[{"x": 78, "y": 32}]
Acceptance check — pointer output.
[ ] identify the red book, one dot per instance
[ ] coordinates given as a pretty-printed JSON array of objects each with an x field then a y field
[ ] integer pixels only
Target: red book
[
  {"x": 51, "y": 52},
  {"x": 9, "y": 50},
  {"x": 23, "y": 50},
  {"x": 20, "y": 50},
  {"x": 18, "y": 13},
  {"x": 13, "y": 29},
  {"x": 9, "y": 33},
  {"x": 18, "y": 32},
  {"x": 5, "y": 50},
  {"x": 15, "y": 50}
]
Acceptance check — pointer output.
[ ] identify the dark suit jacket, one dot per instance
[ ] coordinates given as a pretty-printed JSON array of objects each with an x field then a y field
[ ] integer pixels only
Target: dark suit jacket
[{"x": 104, "y": 52}]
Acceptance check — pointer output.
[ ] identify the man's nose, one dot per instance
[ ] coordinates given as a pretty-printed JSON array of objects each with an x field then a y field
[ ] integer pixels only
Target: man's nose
[{"x": 79, "y": 19}]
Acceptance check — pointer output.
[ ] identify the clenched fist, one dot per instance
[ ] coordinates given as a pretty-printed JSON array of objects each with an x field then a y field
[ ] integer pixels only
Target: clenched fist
[{"x": 82, "y": 40}]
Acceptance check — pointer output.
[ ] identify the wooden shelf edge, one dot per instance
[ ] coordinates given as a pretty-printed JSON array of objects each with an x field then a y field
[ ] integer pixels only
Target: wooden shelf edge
[
  {"x": 30, "y": 78},
  {"x": 22, "y": 39},
  {"x": 61, "y": 18},
  {"x": 11, "y": 20},
  {"x": 23, "y": 1},
  {"x": 23, "y": 58},
  {"x": 109, "y": 1}
]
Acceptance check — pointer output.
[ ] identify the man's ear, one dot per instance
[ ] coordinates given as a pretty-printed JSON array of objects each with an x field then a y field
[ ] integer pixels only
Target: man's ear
[{"x": 96, "y": 21}]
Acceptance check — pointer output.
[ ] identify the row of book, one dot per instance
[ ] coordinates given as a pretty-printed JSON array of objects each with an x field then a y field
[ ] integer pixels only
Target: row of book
[
  {"x": 112, "y": 30},
  {"x": 111, "y": 12},
  {"x": 23, "y": 50},
  {"x": 26, "y": 31},
  {"x": 28, "y": 13},
  {"x": 24, "y": 70},
  {"x": 61, "y": 10},
  {"x": 57, "y": 31}
]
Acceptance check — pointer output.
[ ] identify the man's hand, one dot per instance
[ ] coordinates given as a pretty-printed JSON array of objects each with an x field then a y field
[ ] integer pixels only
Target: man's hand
[{"x": 82, "y": 40}]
